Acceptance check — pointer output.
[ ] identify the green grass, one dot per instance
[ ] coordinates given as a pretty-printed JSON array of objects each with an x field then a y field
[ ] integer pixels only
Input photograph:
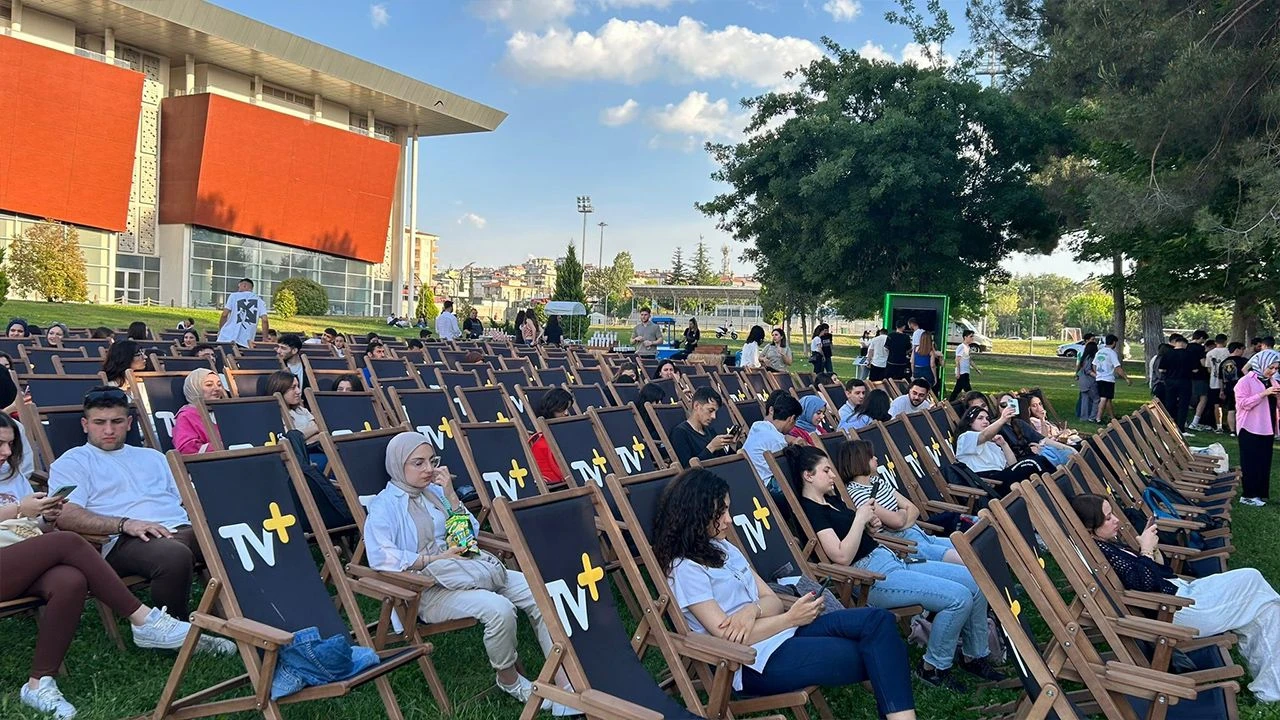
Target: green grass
[{"x": 106, "y": 684}]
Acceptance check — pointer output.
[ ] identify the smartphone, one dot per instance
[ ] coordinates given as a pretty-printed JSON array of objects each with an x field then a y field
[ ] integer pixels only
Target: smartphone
[
  {"x": 827, "y": 582},
  {"x": 875, "y": 489},
  {"x": 733, "y": 430},
  {"x": 914, "y": 560},
  {"x": 1013, "y": 403},
  {"x": 62, "y": 492}
]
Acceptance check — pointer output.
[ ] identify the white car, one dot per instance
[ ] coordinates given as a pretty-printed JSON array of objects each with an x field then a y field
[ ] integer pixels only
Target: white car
[{"x": 1076, "y": 348}]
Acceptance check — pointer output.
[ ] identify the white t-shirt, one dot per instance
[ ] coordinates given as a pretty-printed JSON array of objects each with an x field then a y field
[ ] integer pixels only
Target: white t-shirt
[
  {"x": 732, "y": 587},
  {"x": 750, "y": 355},
  {"x": 1104, "y": 364},
  {"x": 877, "y": 352},
  {"x": 916, "y": 336},
  {"x": 982, "y": 457},
  {"x": 246, "y": 308},
  {"x": 130, "y": 482},
  {"x": 13, "y": 488},
  {"x": 1215, "y": 358},
  {"x": 763, "y": 438},
  {"x": 815, "y": 345},
  {"x": 962, "y": 359},
  {"x": 902, "y": 405}
]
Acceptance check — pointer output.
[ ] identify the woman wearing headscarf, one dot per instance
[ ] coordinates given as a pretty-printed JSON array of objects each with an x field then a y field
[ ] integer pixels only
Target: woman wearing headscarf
[
  {"x": 190, "y": 436},
  {"x": 407, "y": 530},
  {"x": 809, "y": 423},
  {"x": 1256, "y": 425}
]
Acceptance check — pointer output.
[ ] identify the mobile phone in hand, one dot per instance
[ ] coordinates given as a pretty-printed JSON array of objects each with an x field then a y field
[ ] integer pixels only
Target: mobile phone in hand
[
  {"x": 62, "y": 492},
  {"x": 875, "y": 489}
]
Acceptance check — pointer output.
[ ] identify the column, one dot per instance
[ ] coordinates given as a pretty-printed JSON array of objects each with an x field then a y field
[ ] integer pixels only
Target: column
[
  {"x": 369, "y": 122},
  {"x": 257, "y": 89},
  {"x": 413, "y": 218},
  {"x": 15, "y": 17},
  {"x": 191, "y": 74},
  {"x": 109, "y": 44}
]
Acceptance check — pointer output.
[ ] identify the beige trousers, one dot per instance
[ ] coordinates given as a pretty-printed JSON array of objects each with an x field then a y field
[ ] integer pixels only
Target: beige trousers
[{"x": 496, "y": 611}]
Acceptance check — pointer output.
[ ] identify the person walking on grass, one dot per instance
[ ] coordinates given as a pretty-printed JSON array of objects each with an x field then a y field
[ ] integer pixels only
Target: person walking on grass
[
  {"x": 964, "y": 366},
  {"x": 1106, "y": 368}
]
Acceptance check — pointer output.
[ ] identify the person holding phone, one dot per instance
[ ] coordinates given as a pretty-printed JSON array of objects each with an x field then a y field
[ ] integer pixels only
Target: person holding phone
[
  {"x": 720, "y": 595},
  {"x": 1256, "y": 425},
  {"x": 981, "y": 447},
  {"x": 857, "y": 465},
  {"x": 697, "y": 437}
]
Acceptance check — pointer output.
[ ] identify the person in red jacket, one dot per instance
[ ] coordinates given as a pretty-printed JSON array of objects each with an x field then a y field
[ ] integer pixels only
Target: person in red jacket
[{"x": 556, "y": 404}]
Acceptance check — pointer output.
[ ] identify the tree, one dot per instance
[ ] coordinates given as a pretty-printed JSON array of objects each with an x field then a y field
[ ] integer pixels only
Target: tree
[
  {"x": 1203, "y": 316},
  {"x": 46, "y": 261},
  {"x": 1091, "y": 312},
  {"x": 703, "y": 273},
  {"x": 610, "y": 284},
  {"x": 569, "y": 288},
  {"x": 427, "y": 305},
  {"x": 876, "y": 177},
  {"x": 284, "y": 304},
  {"x": 4, "y": 278},
  {"x": 679, "y": 274},
  {"x": 311, "y": 296}
]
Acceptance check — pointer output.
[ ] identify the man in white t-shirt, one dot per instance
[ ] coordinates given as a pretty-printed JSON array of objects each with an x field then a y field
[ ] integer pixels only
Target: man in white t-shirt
[
  {"x": 964, "y": 365},
  {"x": 772, "y": 434},
  {"x": 240, "y": 316},
  {"x": 916, "y": 399},
  {"x": 447, "y": 323},
  {"x": 877, "y": 355},
  {"x": 1106, "y": 365},
  {"x": 917, "y": 333},
  {"x": 128, "y": 493}
]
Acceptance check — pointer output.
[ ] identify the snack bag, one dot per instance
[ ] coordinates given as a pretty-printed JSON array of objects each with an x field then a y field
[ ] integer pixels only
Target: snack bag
[{"x": 457, "y": 527}]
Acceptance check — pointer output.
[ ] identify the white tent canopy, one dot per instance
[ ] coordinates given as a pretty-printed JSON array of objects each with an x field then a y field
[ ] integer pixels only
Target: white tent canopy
[{"x": 563, "y": 307}]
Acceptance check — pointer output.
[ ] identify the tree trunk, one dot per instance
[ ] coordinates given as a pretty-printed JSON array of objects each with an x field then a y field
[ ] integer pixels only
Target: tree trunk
[
  {"x": 1244, "y": 318},
  {"x": 1118, "y": 318},
  {"x": 1152, "y": 329}
]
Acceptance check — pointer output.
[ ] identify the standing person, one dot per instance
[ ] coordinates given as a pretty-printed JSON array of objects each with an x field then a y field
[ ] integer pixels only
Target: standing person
[
  {"x": 1176, "y": 370},
  {"x": 1214, "y": 359},
  {"x": 751, "y": 348},
  {"x": 530, "y": 330},
  {"x": 878, "y": 356},
  {"x": 1256, "y": 425},
  {"x": 472, "y": 327},
  {"x": 1086, "y": 378},
  {"x": 924, "y": 360},
  {"x": 815, "y": 349},
  {"x": 1230, "y": 371},
  {"x": 692, "y": 335},
  {"x": 447, "y": 323},
  {"x": 828, "y": 348},
  {"x": 917, "y": 332},
  {"x": 647, "y": 336},
  {"x": 1106, "y": 367},
  {"x": 898, "y": 364},
  {"x": 240, "y": 315},
  {"x": 1155, "y": 375},
  {"x": 776, "y": 356},
  {"x": 964, "y": 366},
  {"x": 553, "y": 332},
  {"x": 1198, "y": 365}
]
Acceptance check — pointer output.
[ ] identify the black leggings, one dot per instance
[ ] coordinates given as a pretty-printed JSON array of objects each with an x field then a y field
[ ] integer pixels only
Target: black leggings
[{"x": 1017, "y": 472}]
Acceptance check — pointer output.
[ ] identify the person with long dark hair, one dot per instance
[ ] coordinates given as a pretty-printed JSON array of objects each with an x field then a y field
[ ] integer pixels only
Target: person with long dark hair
[
  {"x": 692, "y": 335},
  {"x": 1028, "y": 443},
  {"x": 557, "y": 403},
  {"x": 981, "y": 447},
  {"x": 1256, "y": 425},
  {"x": 875, "y": 408},
  {"x": 776, "y": 356},
  {"x": 720, "y": 595},
  {"x": 751, "y": 348},
  {"x": 553, "y": 332},
  {"x": 1086, "y": 378},
  {"x": 122, "y": 356}
]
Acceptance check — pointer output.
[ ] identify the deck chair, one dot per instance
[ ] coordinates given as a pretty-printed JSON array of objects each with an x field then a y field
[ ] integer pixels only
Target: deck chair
[
  {"x": 1156, "y": 460},
  {"x": 56, "y": 429},
  {"x": 487, "y": 404},
  {"x": 592, "y": 376},
  {"x": 512, "y": 378},
  {"x": 342, "y": 413},
  {"x": 159, "y": 395},
  {"x": 586, "y": 397},
  {"x": 1166, "y": 430},
  {"x": 890, "y": 468},
  {"x": 921, "y": 470},
  {"x": 248, "y": 383},
  {"x": 527, "y": 400},
  {"x": 578, "y": 448},
  {"x": 631, "y": 450},
  {"x": 452, "y": 379},
  {"x": 77, "y": 366},
  {"x": 61, "y": 390},
  {"x": 670, "y": 392},
  {"x": 945, "y": 419},
  {"x": 13, "y": 346},
  {"x": 835, "y": 395},
  {"x": 701, "y": 380},
  {"x": 239, "y": 423},
  {"x": 558, "y": 548},
  {"x": 781, "y": 381},
  {"x": 625, "y": 393},
  {"x": 40, "y": 360},
  {"x": 181, "y": 364},
  {"x": 242, "y": 510},
  {"x": 747, "y": 411},
  {"x": 246, "y": 362},
  {"x": 93, "y": 348},
  {"x": 937, "y": 453},
  {"x": 388, "y": 367},
  {"x": 755, "y": 384},
  {"x": 731, "y": 383},
  {"x": 322, "y": 362},
  {"x": 664, "y": 419},
  {"x": 497, "y": 457},
  {"x": 433, "y": 413}
]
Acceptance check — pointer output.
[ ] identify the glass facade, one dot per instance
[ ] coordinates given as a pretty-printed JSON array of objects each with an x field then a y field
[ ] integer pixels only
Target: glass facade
[
  {"x": 95, "y": 245},
  {"x": 219, "y": 260},
  {"x": 137, "y": 279}
]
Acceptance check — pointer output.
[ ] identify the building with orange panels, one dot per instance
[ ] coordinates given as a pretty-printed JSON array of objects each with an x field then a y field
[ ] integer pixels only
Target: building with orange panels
[{"x": 192, "y": 146}]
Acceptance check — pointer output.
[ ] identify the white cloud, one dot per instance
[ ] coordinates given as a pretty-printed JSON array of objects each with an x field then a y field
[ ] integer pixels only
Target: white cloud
[
  {"x": 843, "y": 10},
  {"x": 378, "y": 15},
  {"x": 620, "y": 114},
  {"x": 473, "y": 220},
  {"x": 871, "y": 51},
  {"x": 912, "y": 53},
  {"x": 524, "y": 14},
  {"x": 632, "y": 51},
  {"x": 697, "y": 117}
]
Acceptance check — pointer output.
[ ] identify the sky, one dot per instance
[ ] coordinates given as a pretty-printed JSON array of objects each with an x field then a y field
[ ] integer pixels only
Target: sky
[{"x": 607, "y": 98}]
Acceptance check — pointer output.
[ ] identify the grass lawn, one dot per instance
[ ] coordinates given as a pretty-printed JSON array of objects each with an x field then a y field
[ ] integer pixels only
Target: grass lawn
[{"x": 106, "y": 684}]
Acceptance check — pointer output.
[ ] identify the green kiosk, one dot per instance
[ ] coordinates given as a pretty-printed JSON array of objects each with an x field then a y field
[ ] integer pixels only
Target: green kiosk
[{"x": 932, "y": 312}]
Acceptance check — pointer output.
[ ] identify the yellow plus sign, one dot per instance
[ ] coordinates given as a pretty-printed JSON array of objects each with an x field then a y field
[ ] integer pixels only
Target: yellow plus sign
[
  {"x": 367, "y": 426},
  {"x": 761, "y": 513},
  {"x": 501, "y": 417},
  {"x": 445, "y": 428},
  {"x": 589, "y": 576},
  {"x": 278, "y": 523},
  {"x": 517, "y": 473},
  {"x": 936, "y": 446},
  {"x": 271, "y": 440},
  {"x": 889, "y": 465},
  {"x": 637, "y": 446},
  {"x": 1014, "y": 605},
  {"x": 597, "y": 459},
  {"x": 488, "y": 383}
]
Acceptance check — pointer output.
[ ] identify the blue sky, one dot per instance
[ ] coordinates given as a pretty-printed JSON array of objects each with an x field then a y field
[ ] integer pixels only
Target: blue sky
[{"x": 610, "y": 98}]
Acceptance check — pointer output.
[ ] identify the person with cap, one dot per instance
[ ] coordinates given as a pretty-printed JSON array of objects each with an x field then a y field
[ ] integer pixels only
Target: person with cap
[
  {"x": 190, "y": 436},
  {"x": 408, "y": 530},
  {"x": 1256, "y": 425},
  {"x": 18, "y": 328}
]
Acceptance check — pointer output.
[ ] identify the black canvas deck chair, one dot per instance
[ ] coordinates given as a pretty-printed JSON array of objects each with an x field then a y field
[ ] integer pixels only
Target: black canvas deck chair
[
  {"x": 271, "y": 363},
  {"x": 487, "y": 404},
  {"x": 625, "y": 393},
  {"x": 13, "y": 346},
  {"x": 182, "y": 364},
  {"x": 731, "y": 383},
  {"x": 590, "y": 396},
  {"x": 61, "y": 390},
  {"x": 663, "y": 419},
  {"x": 159, "y": 396},
  {"x": 388, "y": 367},
  {"x": 265, "y": 585},
  {"x": 512, "y": 378},
  {"x": 40, "y": 360},
  {"x": 343, "y": 413},
  {"x": 578, "y": 448},
  {"x": 527, "y": 400},
  {"x": 592, "y": 376},
  {"x": 944, "y": 419},
  {"x": 782, "y": 381},
  {"x": 558, "y": 547},
  {"x": 921, "y": 471},
  {"x": 756, "y": 384},
  {"x": 518, "y": 362},
  {"x": 1158, "y": 419},
  {"x": 77, "y": 366},
  {"x": 555, "y": 376},
  {"x": 248, "y": 383},
  {"x": 835, "y": 395},
  {"x": 93, "y": 347},
  {"x": 893, "y": 469},
  {"x": 831, "y": 442},
  {"x": 433, "y": 413},
  {"x": 935, "y": 452},
  {"x": 439, "y": 377},
  {"x": 701, "y": 380},
  {"x": 55, "y": 430},
  {"x": 670, "y": 392},
  {"x": 240, "y": 423},
  {"x": 498, "y": 462},
  {"x": 631, "y": 449},
  {"x": 1154, "y": 459},
  {"x": 746, "y": 412}
]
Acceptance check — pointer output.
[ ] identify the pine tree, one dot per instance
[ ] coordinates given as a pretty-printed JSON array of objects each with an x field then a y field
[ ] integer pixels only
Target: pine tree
[
  {"x": 283, "y": 304},
  {"x": 679, "y": 275},
  {"x": 703, "y": 273},
  {"x": 427, "y": 305},
  {"x": 569, "y": 288}
]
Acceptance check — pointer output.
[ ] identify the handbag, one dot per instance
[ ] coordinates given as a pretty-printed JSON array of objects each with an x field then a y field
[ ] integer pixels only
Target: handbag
[
  {"x": 484, "y": 571},
  {"x": 15, "y": 530}
]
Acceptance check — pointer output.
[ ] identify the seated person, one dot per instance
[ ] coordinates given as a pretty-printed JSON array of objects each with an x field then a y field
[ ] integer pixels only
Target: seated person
[
  {"x": 973, "y": 398},
  {"x": 190, "y": 436},
  {"x": 981, "y": 447},
  {"x": 874, "y": 408},
  {"x": 405, "y": 532},
  {"x": 772, "y": 434},
  {"x": 696, "y": 437},
  {"x": 374, "y": 350},
  {"x": 347, "y": 383},
  {"x": 810, "y": 423},
  {"x": 720, "y": 595},
  {"x": 667, "y": 370},
  {"x": 557, "y": 403},
  {"x": 651, "y": 393},
  {"x": 1039, "y": 418},
  {"x": 855, "y": 392},
  {"x": 916, "y": 399},
  {"x": 1026, "y": 442},
  {"x": 123, "y": 356},
  {"x": 283, "y": 383},
  {"x": 895, "y": 511},
  {"x": 1238, "y": 601},
  {"x": 946, "y": 589},
  {"x": 129, "y": 494}
]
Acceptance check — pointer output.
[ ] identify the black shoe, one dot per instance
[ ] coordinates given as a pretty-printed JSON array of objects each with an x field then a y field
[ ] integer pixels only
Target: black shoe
[
  {"x": 983, "y": 668},
  {"x": 940, "y": 678}
]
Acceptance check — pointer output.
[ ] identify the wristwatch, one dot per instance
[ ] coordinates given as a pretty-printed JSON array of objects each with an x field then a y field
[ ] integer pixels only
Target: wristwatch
[{"x": 120, "y": 526}]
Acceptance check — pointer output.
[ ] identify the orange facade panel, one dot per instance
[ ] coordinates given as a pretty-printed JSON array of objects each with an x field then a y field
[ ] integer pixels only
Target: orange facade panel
[
  {"x": 68, "y": 135},
  {"x": 251, "y": 171}
]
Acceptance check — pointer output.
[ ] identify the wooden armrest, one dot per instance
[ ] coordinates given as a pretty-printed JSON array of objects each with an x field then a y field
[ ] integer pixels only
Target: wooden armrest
[
  {"x": 595, "y": 703},
  {"x": 243, "y": 629},
  {"x": 381, "y": 590},
  {"x": 935, "y": 530},
  {"x": 941, "y": 506},
  {"x": 1179, "y": 524},
  {"x": 405, "y": 579},
  {"x": 712, "y": 650},
  {"x": 1154, "y": 601},
  {"x": 845, "y": 572},
  {"x": 966, "y": 490},
  {"x": 1168, "y": 683},
  {"x": 1183, "y": 552},
  {"x": 495, "y": 544},
  {"x": 1153, "y": 630}
]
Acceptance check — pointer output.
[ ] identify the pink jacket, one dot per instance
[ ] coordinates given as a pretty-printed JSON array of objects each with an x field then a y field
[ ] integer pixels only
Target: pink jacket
[
  {"x": 1252, "y": 405},
  {"x": 189, "y": 434}
]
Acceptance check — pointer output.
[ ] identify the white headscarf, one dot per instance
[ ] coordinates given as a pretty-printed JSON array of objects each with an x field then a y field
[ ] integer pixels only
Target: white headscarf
[
  {"x": 1263, "y": 359},
  {"x": 193, "y": 386}
]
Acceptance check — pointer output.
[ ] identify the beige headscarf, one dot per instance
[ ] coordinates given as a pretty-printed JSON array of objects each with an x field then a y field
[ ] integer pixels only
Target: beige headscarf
[
  {"x": 398, "y": 452},
  {"x": 193, "y": 386}
]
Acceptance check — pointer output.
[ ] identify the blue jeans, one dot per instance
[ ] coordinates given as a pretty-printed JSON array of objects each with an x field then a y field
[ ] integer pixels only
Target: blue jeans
[
  {"x": 944, "y": 588},
  {"x": 928, "y": 546},
  {"x": 841, "y": 648}
]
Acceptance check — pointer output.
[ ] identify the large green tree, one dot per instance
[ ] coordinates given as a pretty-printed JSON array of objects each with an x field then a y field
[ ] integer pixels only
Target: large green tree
[
  {"x": 679, "y": 274},
  {"x": 702, "y": 272},
  {"x": 611, "y": 283},
  {"x": 45, "y": 260},
  {"x": 569, "y": 287},
  {"x": 874, "y": 177}
]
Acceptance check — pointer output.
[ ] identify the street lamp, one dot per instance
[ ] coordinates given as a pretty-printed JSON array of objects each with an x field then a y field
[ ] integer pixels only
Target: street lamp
[
  {"x": 600, "y": 262},
  {"x": 584, "y": 207}
]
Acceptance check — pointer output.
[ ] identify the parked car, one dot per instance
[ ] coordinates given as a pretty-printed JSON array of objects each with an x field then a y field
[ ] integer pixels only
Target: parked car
[
  {"x": 1074, "y": 349},
  {"x": 981, "y": 343}
]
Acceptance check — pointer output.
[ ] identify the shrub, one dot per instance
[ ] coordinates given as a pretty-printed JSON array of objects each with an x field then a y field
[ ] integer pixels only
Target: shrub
[
  {"x": 283, "y": 304},
  {"x": 310, "y": 295}
]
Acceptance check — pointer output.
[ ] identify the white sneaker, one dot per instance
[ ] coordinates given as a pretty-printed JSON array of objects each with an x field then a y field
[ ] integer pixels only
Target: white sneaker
[
  {"x": 47, "y": 698},
  {"x": 558, "y": 710},
  {"x": 521, "y": 690},
  {"x": 160, "y": 630},
  {"x": 215, "y": 645},
  {"x": 1187, "y": 434},
  {"x": 1254, "y": 502}
]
